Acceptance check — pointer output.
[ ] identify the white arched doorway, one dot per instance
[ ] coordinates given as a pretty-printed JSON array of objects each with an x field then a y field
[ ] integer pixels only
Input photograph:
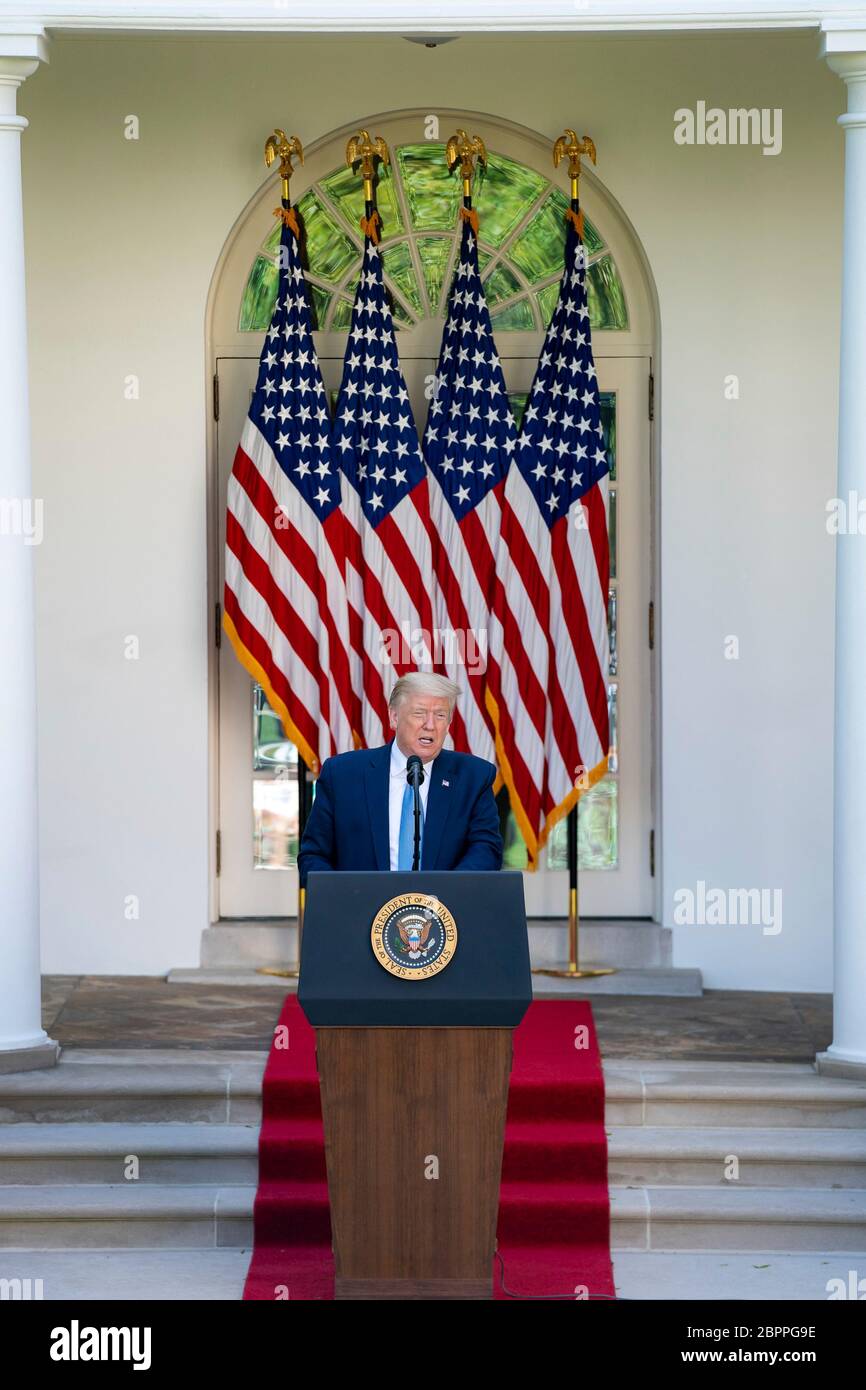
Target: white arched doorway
[{"x": 520, "y": 204}]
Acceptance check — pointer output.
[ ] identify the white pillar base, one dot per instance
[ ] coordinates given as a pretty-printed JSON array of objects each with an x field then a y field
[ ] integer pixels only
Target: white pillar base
[
  {"x": 29, "y": 1057},
  {"x": 836, "y": 1063}
]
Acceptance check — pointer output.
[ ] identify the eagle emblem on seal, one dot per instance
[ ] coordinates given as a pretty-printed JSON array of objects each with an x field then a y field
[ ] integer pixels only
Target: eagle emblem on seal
[{"x": 414, "y": 936}]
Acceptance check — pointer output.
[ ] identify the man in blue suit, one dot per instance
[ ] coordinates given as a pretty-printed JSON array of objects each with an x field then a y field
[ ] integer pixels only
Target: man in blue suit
[{"x": 363, "y": 811}]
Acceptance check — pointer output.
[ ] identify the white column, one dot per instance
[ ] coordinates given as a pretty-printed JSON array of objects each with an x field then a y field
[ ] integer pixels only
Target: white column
[
  {"x": 845, "y": 51},
  {"x": 23, "y": 1043}
]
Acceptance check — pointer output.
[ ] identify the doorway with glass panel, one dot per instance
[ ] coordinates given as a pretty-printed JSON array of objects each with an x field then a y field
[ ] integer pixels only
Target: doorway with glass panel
[{"x": 520, "y": 246}]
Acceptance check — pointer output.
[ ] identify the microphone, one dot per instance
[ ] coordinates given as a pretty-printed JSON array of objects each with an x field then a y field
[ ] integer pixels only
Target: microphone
[
  {"x": 415, "y": 776},
  {"x": 414, "y": 770}
]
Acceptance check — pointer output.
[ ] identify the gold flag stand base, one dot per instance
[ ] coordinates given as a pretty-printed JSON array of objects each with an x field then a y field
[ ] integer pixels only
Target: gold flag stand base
[{"x": 573, "y": 971}]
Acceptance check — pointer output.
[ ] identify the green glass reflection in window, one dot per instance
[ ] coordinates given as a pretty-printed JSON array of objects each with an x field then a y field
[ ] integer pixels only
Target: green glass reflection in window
[
  {"x": 607, "y": 414},
  {"x": 398, "y": 267},
  {"x": 604, "y": 294},
  {"x": 433, "y": 197},
  {"x": 275, "y": 798},
  {"x": 259, "y": 297},
  {"x": 597, "y": 835},
  {"x": 342, "y": 317},
  {"x": 346, "y": 191},
  {"x": 434, "y": 252},
  {"x": 271, "y": 749},
  {"x": 500, "y": 284},
  {"x": 433, "y": 194},
  {"x": 514, "y": 855},
  {"x": 272, "y": 240},
  {"x": 539, "y": 250},
  {"x": 503, "y": 192},
  {"x": 319, "y": 300},
  {"x": 591, "y": 239},
  {"x": 596, "y": 831},
  {"x": 547, "y": 301},
  {"x": 398, "y": 313},
  {"x": 329, "y": 252},
  {"x": 517, "y": 400},
  {"x": 518, "y": 316}
]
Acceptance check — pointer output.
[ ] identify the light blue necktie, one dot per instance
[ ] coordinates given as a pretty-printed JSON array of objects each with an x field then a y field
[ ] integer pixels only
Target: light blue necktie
[{"x": 406, "y": 841}]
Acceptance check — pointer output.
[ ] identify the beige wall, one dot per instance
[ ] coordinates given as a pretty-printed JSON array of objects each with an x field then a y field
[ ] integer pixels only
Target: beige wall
[{"x": 122, "y": 240}]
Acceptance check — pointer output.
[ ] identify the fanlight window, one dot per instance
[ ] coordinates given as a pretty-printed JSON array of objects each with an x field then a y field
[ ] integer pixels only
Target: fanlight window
[{"x": 521, "y": 244}]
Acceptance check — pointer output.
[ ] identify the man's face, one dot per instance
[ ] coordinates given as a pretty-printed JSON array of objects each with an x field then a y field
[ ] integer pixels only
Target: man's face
[{"x": 420, "y": 724}]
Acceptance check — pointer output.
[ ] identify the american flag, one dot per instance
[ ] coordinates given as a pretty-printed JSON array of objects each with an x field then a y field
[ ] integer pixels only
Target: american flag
[
  {"x": 389, "y": 573},
  {"x": 285, "y": 606},
  {"x": 549, "y": 638},
  {"x": 468, "y": 443}
]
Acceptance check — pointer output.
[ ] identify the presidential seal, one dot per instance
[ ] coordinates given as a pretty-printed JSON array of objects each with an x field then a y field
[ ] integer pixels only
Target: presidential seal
[{"x": 414, "y": 936}]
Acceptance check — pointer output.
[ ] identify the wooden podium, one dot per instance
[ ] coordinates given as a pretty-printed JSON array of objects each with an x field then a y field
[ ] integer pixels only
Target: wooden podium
[{"x": 414, "y": 1078}]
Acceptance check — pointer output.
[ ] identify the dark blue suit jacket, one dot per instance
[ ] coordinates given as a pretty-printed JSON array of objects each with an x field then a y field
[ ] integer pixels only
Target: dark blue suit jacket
[{"x": 348, "y": 825}]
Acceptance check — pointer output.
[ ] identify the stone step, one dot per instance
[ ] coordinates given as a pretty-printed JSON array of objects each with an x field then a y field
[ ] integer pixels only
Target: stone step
[
  {"x": 194, "y": 1217},
  {"x": 186, "y": 1275},
  {"x": 199, "y": 1155},
  {"x": 201, "y": 1091},
  {"x": 226, "y": 1155},
  {"x": 742, "y": 1219},
  {"x": 665, "y": 1156},
  {"x": 715, "y": 1094},
  {"x": 176, "y": 1086}
]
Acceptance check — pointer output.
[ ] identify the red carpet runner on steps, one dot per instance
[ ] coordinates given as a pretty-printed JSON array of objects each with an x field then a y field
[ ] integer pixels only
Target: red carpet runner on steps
[{"x": 554, "y": 1210}]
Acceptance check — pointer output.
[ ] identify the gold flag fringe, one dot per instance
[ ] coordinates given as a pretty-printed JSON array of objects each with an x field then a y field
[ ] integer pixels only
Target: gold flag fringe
[
  {"x": 288, "y": 218},
  {"x": 370, "y": 226},
  {"x": 577, "y": 219}
]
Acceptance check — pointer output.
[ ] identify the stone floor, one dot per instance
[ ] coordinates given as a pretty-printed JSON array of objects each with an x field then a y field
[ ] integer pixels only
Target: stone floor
[{"x": 144, "y": 1011}]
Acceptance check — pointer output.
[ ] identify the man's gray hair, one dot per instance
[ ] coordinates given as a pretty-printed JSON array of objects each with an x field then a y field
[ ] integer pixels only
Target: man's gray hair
[{"x": 423, "y": 683}]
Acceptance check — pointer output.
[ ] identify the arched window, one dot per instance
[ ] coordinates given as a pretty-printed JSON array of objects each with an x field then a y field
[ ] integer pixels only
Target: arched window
[{"x": 520, "y": 247}]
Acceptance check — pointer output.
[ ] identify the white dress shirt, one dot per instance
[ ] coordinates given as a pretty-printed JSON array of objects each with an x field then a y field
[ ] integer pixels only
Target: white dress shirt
[{"x": 396, "y": 787}]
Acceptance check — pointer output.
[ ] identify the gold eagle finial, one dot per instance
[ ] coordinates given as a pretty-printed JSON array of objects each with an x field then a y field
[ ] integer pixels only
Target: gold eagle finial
[
  {"x": 463, "y": 150},
  {"x": 568, "y": 144},
  {"x": 361, "y": 149},
  {"x": 285, "y": 148}
]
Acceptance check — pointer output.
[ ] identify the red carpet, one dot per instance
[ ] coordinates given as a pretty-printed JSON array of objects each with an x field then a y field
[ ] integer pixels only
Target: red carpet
[{"x": 554, "y": 1210}]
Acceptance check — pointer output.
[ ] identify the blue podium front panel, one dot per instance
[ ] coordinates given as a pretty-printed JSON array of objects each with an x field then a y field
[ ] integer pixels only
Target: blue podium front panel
[{"x": 457, "y": 956}]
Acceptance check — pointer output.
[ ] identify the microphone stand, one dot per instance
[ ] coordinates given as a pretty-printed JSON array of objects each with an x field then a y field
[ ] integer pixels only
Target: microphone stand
[{"x": 415, "y": 773}]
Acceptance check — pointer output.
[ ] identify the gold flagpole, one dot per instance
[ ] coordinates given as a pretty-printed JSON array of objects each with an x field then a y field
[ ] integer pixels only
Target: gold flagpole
[
  {"x": 568, "y": 144},
  {"x": 363, "y": 150},
  {"x": 286, "y": 148}
]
